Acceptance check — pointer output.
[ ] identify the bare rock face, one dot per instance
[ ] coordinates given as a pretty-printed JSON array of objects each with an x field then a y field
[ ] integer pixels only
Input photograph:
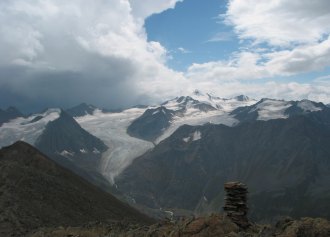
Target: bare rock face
[{"x": 236, "y": 203}]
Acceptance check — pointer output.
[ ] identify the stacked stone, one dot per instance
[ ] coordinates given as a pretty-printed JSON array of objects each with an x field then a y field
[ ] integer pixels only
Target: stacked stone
[{"x": 236, "y": 203}]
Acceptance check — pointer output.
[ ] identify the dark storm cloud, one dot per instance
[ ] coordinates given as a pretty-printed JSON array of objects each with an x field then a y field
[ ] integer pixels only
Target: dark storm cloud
[{"x": 103, "y": 81}]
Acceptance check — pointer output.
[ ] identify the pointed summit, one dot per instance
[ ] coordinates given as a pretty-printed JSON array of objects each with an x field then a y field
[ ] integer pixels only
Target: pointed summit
[
  {"x": 81, "y": 110},
  {"x": 242, "y": 98}
]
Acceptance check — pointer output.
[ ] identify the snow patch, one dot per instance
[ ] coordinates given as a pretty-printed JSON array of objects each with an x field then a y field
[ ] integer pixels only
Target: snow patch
[
  {"x": 308, "y": 106},
  {"x": 82, "y": 150},
  {"x": 272, "y": 109},
  {"x": 156, "y": 112},
  {"x": 186, "y": 139},
  {"x": 23, "y": 129},
  {"x": 194, "y": 117},
  {"x": 196, "y": 136},
  {"x": 66, "y": 153},
  {"x": 96, "y": 151}
]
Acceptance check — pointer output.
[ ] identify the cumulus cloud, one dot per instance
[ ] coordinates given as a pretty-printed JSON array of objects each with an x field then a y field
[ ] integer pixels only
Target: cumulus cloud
[
  {"x": 247, "y": 65},
  {"x": 243, "y": 65},
  {"x": 60, "y": 53},
  {"x": 280, "y": 22},
  {"x": 297, "y": 37}
]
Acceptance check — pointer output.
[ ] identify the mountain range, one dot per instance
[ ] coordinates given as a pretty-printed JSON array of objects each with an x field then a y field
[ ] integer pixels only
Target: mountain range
[{"x": 175, "y": 156}]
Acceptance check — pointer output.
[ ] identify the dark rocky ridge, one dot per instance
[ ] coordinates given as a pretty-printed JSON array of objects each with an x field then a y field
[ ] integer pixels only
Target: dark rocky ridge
[
  {"x": 81, "y": 110},
  {"x": 36, "y": 192},
  {"x": 185, "y": 101},
  {"x": 206, "y": 226},
  {"x": 151, "y": 123},
  {"x": 65, "y": 134},
  {"x": 285, "y": 163}
]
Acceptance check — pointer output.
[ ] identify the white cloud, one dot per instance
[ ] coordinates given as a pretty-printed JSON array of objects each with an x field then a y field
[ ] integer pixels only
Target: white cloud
[
  {"x": 258, "y": 65},
  {"x": 96, "y": 44},
  {"x": 306, "y": 58},
  {"x": 243, "y": 66},
  {"x": 221, "y": 36},
  {"x": 280, "y": 22},
  {"x": 148, "y": 7},
  {"x": 183, "y": 50}
]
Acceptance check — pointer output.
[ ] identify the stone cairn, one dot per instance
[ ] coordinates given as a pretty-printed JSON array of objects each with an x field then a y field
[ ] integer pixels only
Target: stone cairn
[{"x": 236, "y": 203}]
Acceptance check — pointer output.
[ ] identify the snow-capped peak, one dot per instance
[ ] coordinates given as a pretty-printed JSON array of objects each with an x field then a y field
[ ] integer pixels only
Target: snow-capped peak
[{"x": 205, "y": 102}]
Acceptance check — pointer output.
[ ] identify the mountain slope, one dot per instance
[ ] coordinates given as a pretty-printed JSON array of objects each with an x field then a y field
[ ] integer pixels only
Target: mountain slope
[
  {"x": 285, "y": 163},
  {"x": 151, "y": 124},
  {"x": 36, "y": 192},
  {"x": 65, "y": 136}
]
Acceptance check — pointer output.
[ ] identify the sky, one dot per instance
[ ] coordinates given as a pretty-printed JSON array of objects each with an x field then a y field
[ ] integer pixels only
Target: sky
[{"x": 119, "y": 53}]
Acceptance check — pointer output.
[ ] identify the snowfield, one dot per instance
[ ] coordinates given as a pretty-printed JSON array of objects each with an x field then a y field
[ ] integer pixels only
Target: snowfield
[
  {"x": 26, "y": 129},
  {"x": 272, "y": 109}
]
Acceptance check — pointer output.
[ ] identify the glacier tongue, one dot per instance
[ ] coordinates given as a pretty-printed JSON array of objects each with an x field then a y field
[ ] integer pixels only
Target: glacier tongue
[{"x": 111, "y": 129}]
